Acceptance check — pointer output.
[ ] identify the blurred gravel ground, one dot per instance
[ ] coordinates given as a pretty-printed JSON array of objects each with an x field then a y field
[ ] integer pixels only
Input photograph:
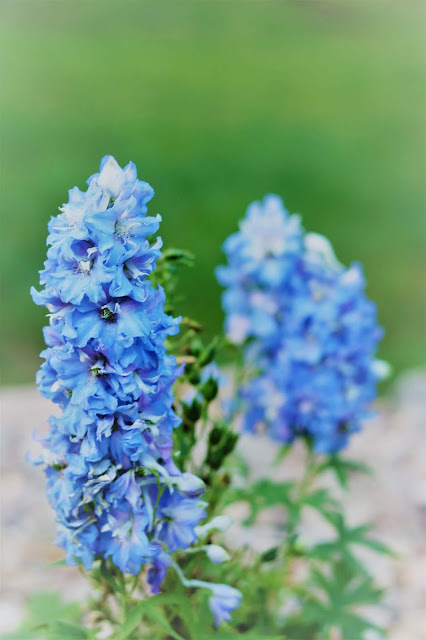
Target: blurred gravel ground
[{"x": 394, "y": 445}]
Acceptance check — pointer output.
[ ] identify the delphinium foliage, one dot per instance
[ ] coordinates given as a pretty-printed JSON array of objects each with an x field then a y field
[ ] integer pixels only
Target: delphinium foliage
[{"x": 142, "y": 465}]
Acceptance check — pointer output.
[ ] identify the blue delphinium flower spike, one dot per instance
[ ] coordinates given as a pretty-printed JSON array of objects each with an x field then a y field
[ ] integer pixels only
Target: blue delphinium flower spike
[
  {"x": 108, "y": 458},
  {"x": 308, "y": 331}
]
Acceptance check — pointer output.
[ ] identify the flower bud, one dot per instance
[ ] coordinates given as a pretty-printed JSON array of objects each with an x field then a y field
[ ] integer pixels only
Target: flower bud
[
  {"x": 209, "y": 353},
  {"x": 215, "y": 435},
  {"x": 190, "y": 485},
  {"x": 210, "y": 389},
  {"x": 193, "y": 411},
  {"x": 215, "y": 458},
  {"x": 217, "y": 554},
  {"x": 230, "y": 442},
  {"x": 381, "y": 369},
  {"x": 219, "y": 523},
  {"x": 269, "y": 555}
]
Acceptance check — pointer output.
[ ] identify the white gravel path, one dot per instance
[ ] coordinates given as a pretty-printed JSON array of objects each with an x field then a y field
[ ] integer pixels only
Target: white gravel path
[{"x": 393, "y": 444}]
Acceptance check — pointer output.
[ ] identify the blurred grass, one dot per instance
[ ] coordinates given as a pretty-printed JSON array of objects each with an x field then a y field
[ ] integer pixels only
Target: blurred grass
[{"x": 219, "y": 103}]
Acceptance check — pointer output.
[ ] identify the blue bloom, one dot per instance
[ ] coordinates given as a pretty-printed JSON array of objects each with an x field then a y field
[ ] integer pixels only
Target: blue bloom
[
  {"x": 189, "y": 485},
  {"x": 80, "y": 545},
  {"x": 158, "y": 571},
  {"x": 179, "y": 517},
  {"x": 309, "y": 333},
  {"x": 107, "y": 367},
  {"x": 223, "y": 600},
  {"x": 125, "y": 539},
  {"x": 99, "y": 244},
  {"x": 108, "y": 457}
]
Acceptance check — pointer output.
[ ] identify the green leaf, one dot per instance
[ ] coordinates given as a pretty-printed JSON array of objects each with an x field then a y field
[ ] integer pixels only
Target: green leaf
[
  {"x": 46, "y": 608},
  {"x": 238, "y": 464},
  {"x": 355, "y": 465},
  {"x": 269, "y": 555},
  {"x": 180, "y": 604},
  {"x": 186, "y": 613},
  {"x": 282, "y": 453},
  {"x": 59, "y": 630},
  {"x": 209, "y": 352},
  {"x": 152, "y": 609},
  {"x": 261, "y": 495},
  {"x": 158, "y": 616},
  {"x": 357, "y": 536},
  {"x": 362, "y": 590},
  {"x": 229, "y": 635},
  {"x": 352, "y": 625},
  {"x": 131, "y": 622},
  {"x": 165, "y": 599},
  {"x": 22, "y": 635},
  {"x": 336, "y": 520},
  {"x": 58, "y": 563},
  {"x": 322, "y": 551},
  {"x": 110, "y": 579},
  {"x": 177, "y": 255},
  {"x": 322, "y": 501},
  {"x": 203, "y": 618},
  {"x": 377, "y": 546},
  {"x": 341, "y": 467},
  {"x": 344, "y": 589}
]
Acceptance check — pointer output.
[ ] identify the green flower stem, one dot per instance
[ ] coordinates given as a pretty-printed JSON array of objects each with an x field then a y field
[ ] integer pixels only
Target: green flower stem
[
  {"x": 301, "y": 491},
  {"x": 311, "y": 471}
]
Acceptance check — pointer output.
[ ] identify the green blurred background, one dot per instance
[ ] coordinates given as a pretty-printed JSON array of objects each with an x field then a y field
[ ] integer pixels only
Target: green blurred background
[{"x": 218, "y": 103}]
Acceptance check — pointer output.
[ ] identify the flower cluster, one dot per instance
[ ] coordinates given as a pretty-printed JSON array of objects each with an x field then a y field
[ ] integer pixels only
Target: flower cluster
[
  {"x": 309, "y": 331},
  {"x": 108, "y": 457}
]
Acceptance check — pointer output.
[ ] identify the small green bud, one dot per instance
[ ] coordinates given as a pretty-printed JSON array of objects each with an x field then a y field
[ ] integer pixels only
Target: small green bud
[
  {"x": 193, "y": 411},
  {"x": 209, "y": 389},
  {"x": 178, "y": 255},
  {"x": 298, "y": 547},
  {"x": 270, "y": 555},
  {"x": 214, "y": 458},
  {"x": 196, "y": 346},
  {"x": 188, "y": 427},
  {"x": 230, "y": 442},
  {"x": 192, "y": 324},
  {"x": 208, "y": 353},
  {"x": 215, "y": 435},
  {"x": 58, "y": 467},
  {"x": 194, "y": 378}
]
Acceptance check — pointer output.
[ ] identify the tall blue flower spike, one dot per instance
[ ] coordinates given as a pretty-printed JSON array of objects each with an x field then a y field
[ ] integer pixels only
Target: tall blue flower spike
[
  {"x": 108, "y": 458},
  {"x": 308, "y": 331}
]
